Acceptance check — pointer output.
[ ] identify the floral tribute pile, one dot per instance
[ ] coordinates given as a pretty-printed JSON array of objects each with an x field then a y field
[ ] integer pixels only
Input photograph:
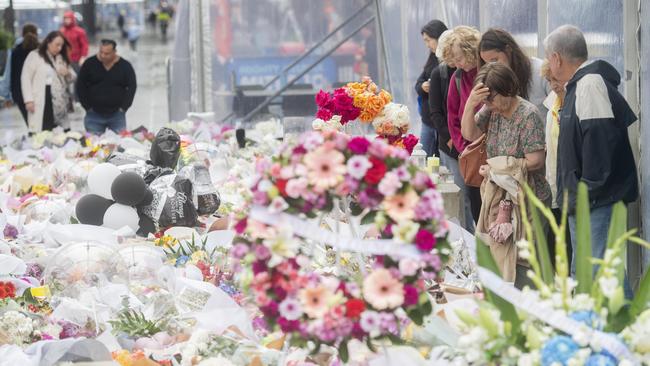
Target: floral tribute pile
[
  {"x": 364, "y": 101},
  {"x": 389, "y": 193}
]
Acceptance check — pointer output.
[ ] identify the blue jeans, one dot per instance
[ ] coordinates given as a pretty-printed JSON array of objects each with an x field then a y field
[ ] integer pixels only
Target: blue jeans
[
  {"x": 97, "y": 124},
  {"x": 429, "y": 139},
  {"x": 600, "y": 219},
  {"x": 452, "y": 165}
]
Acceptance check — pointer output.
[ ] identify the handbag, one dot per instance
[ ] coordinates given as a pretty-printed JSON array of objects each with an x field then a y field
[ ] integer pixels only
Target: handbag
[{"x": 471, "y": 159}]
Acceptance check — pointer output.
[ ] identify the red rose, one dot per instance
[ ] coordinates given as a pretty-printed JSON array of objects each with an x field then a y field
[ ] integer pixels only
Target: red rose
[
  {"x": 425, "y": 240},
  {"x": 282, "y": 186},
  {"x": 324, "y": 114},
  {"x": 354, "y": 308},
  {"x": 376, "y": 173},
  {"x": 323, "y": 98}
]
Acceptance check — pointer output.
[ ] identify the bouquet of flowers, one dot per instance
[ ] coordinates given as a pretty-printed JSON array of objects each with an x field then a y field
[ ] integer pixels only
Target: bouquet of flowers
[
  {"x": 398, "y": 201},
  {"x": 360, "y": 100},
  {"x": 393, "y": 124},
  {"x": 578, "y": 323}
]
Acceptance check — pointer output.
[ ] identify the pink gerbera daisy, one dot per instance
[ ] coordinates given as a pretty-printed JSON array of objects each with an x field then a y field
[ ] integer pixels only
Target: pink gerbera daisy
[
  {"x": 325, "y": 168},
  {"x": 382, "y": 290}
]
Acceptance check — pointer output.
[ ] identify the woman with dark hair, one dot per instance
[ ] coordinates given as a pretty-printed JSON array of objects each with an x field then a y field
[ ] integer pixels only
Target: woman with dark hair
[
  {"x": 497, "y": 45},
  {"x": 428, "y": 135},
  {"x": 18, "y": 56},
  {"x": 46, "y": 79},
  {"x": 515, "y": 147}
]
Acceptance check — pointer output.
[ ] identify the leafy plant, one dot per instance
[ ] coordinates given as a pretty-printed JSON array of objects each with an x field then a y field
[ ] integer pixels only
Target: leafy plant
[{"x": 134, "y": 324}]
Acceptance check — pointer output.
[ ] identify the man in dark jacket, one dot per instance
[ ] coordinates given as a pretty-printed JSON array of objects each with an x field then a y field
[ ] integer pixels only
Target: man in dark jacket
[
  {"x": 593, "y": 145},
  {"x": 106, "y": 85}
]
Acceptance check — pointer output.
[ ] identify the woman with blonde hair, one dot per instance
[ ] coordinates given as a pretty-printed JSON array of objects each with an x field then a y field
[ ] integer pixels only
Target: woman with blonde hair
[{"x": 464, "y": 53}]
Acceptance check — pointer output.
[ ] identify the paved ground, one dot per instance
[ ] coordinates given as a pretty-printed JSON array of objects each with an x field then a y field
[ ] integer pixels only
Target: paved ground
[{"x": 150, "y": 107}]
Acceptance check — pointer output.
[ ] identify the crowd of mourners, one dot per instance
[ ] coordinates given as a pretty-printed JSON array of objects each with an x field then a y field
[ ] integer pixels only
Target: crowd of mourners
[{"x": 499, "y": 120}]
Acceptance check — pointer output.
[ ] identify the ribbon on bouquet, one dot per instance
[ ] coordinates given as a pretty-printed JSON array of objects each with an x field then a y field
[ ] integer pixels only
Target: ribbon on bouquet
[
  {"x": 555, "y": 318},
  {"x": 311, "y": 231}
]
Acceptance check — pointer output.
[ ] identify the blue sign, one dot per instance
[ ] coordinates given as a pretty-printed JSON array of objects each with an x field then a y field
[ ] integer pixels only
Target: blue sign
[{"x": 260, "y": 70}]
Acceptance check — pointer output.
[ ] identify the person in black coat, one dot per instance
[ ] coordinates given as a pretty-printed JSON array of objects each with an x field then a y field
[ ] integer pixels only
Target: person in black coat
[
  {"x": 428, "y": 136},
  {"x": 18, "y": 56}
]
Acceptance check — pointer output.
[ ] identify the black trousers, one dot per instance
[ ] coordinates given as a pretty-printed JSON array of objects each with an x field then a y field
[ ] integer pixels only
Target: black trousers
[
  {"x": 48, "y": 112},
  {"x": 475, "y": 201},
  {"x": 23, "y": 110}
]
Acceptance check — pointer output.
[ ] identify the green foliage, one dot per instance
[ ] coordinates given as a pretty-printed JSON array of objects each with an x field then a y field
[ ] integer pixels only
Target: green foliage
[
  {"x": 134, "y": 324},
  {"x": 584, "y": 268}
]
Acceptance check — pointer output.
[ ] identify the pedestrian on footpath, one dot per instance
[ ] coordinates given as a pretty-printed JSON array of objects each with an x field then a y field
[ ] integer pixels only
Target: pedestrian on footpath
[
  {"x": 19, "y": 54},
  {"x": 77, "y": 38},
  {"x": 106, "y": 87},
  {"x": 46, "y": 79}
]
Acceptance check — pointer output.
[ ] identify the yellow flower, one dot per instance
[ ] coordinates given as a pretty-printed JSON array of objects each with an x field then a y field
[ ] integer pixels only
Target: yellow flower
[
  {"x": 40, "y": 189},
  {"x": 166, "y": 241},
  {"x": 198, "y": 256},
  {"x": 122, "y": 357}
]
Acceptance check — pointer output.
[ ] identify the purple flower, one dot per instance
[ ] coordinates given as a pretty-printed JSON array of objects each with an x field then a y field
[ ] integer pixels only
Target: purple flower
[
  {"x": 370, "y": 197},
  {"x": 34, "y": 270},
  {"x": 358, "y": 145},
  {"x": 239, "y": 250},
  {"x": 259, "y": 267},
  {"x": 262, "y": 253},
  {"x": 10, "y": 232},
  {"x": 357, "y": 331},
  {"x": 270, "y": 310},
  {"x": 288, "y": 326}
]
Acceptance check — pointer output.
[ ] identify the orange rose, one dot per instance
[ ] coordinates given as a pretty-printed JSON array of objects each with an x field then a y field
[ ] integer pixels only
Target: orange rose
[
  {"x": 375, "y": 105},
  {"x": 355, "y": 88},
  {"x": 366, "y": 116},
  {"x": 360, "y": 100},
  {"x": 385, "y": 96}
]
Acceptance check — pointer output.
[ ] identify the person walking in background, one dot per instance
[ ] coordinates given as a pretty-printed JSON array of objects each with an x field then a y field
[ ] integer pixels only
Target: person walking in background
[
  {"x": 428, "y": 135},
  {"x": 46, "y": 79},
  {"x": 464, "y": 51},
  {"x": 121, "y": 23},
  {"x": 133, "y": 33},
  {"x": 498, "y": 45},
  {"x": 77, "y": 38},
  {"x": 19, "y": 54},
  {"x": 593, "y": 145},
  {"x": 106, "y": 87}
]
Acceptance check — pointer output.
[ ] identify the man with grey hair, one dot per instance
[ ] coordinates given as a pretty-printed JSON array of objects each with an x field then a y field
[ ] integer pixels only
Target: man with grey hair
[{"x": 593, "y": 146}]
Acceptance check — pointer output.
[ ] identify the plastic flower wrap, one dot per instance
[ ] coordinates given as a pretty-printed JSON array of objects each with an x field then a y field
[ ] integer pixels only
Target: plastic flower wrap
[{"x": 386, "y": 192}]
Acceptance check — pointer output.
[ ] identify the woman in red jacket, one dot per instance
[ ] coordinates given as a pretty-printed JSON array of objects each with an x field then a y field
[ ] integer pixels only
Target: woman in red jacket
[{"x": 76, "y": 36}]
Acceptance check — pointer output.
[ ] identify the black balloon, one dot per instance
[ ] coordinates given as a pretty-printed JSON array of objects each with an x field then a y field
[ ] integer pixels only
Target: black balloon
[
  {"x": 148, "y": 198},
  {"x": 147, "y": 226},
  {"x": 128, "y": 189},
  {"x": 91, "y": 208}
]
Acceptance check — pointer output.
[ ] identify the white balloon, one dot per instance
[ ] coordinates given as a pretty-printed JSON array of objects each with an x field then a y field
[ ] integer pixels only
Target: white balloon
[
  {"x": 118, "y": 216},
  {"x": 101, "y": 178}
]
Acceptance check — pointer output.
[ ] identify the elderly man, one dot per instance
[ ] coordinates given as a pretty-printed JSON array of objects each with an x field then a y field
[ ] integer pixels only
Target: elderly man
[{"x": 593, "y": 145}]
